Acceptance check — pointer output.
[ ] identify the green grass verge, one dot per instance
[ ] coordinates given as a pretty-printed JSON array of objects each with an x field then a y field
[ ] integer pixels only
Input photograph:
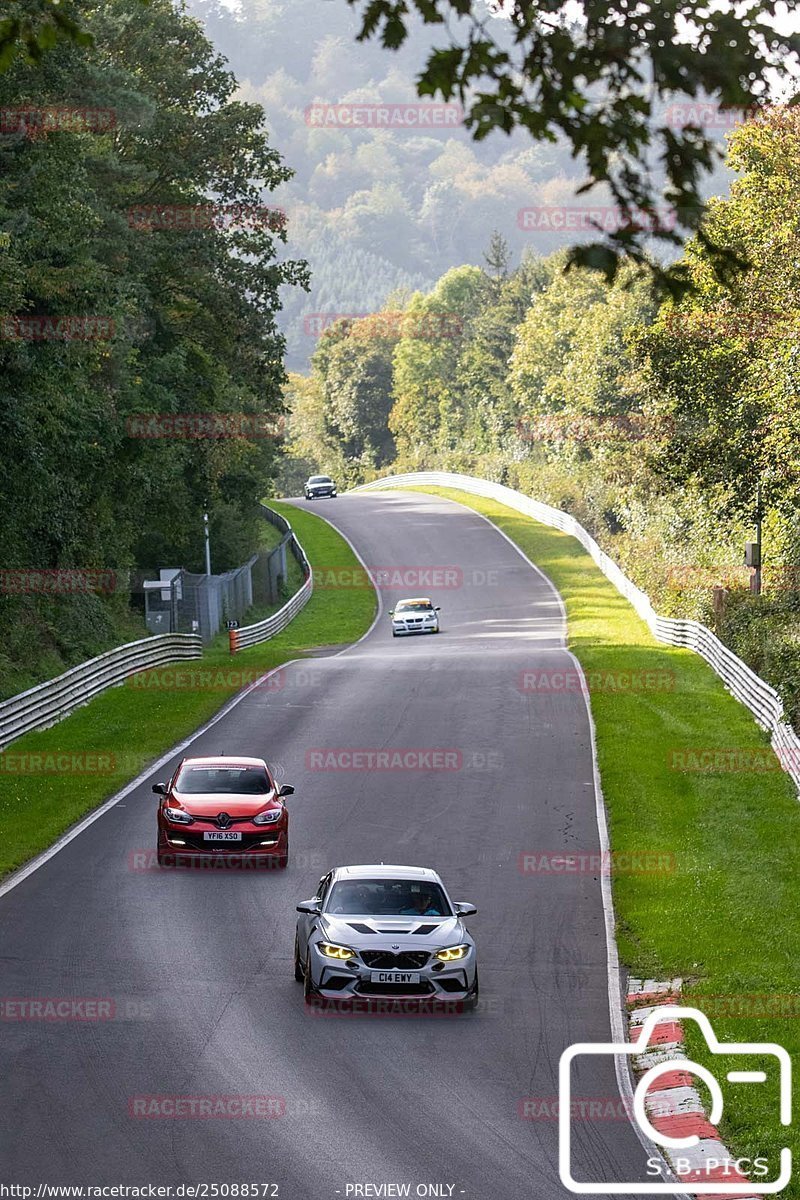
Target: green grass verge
[
  {"x": 725, "y": 916},
  {"x": 131, "y": 726}
]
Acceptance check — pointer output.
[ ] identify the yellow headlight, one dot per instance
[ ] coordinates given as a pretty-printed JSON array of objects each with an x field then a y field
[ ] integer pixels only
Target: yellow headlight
[
  {"x": 451, "y": 953},
  {"x": 332, "y": 951}
]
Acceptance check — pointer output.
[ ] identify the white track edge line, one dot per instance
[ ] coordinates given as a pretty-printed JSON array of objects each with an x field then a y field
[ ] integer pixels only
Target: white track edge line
[
  {"x": 379, "y": 598},
  {"x": 616, "y": 1003},
  {"x": 23, "y": 872},
  {"x": 17, "y": 877}
]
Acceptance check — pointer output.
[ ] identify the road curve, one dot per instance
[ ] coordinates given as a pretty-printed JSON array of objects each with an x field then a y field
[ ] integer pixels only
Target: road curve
[{"x": 198, "y": 964}]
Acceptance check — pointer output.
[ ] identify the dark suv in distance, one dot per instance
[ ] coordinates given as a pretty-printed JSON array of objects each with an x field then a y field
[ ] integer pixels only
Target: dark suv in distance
[{"x": 319, "y": 485}]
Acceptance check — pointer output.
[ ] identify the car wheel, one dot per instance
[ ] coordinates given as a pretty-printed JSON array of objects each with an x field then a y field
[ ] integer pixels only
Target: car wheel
[
  {"x": 283, "y": 861},
  {"x": 395, "y": 633},
  {"x": 310, "y": 993},
  {"x": 473, "y": 995},
  {"x": 164, "y": 860},
  {"x": 299, "y": 973}
]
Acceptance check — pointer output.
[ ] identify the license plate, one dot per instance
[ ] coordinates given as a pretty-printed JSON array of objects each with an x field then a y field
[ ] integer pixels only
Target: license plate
[
  {"x": 394, "y": 977},
  {"x": 222, "y": 837}
]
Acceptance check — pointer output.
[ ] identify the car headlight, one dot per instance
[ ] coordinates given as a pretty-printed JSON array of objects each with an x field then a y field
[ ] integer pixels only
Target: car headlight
[
  {"x": 452, "y": 953},
  {"x": 268, "y": 816},
  {"x": 330, "y": 950},
  {"x": 178, "y": 816}
]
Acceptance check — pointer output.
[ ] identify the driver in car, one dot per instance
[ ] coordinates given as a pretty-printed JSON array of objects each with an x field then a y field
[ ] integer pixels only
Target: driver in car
[{"x": 421, "y": 905}]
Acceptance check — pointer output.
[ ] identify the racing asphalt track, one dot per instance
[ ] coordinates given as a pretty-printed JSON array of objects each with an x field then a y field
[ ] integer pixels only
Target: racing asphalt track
[{"x": 199, "y": 966}]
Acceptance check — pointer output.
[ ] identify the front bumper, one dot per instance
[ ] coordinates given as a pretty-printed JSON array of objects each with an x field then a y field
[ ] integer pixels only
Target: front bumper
[
  {"x": 352, "y": 980},
  {"x": 403, "y": 627},
  {"x": 258, "y": 847},
  {"x": 317, "y": 495}
]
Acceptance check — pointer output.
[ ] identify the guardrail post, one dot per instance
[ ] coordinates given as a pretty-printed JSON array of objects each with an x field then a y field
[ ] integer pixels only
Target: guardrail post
[{"x": 233, "y": 640}]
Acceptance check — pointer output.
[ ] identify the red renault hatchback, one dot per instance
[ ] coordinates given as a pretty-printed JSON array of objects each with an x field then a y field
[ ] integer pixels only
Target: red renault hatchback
[{"x": 221, "y": 807}]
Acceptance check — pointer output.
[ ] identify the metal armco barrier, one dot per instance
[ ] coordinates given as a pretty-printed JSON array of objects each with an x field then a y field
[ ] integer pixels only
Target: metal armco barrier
[
  {"x": 763, "y": 701},
  {"x": 48, "y": 702},
  {"x": 251, "y": 635}
]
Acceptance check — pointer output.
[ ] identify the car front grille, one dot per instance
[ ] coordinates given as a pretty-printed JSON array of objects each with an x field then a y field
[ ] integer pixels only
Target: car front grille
[
  {"x": 385, "y": 960},
  {"x": 249, "y": 842}
]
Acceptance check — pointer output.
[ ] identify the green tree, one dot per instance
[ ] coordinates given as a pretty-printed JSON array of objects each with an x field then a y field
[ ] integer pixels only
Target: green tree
[
  {"x": 428, "y": 412},
  {"x": 602, "y": 79},
  {"x": 189, "y": 313}
]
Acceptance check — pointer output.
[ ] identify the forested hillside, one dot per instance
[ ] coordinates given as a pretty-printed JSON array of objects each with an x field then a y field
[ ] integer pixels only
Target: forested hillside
[
  {"x": 377, "y": 210},
  {"x": 110, "y": 310},
  {"x": 652, "y": 423}
]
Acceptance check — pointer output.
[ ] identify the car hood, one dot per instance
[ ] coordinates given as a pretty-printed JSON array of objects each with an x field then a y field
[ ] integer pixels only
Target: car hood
[
  {"x": 208, "y": 804},
  {"x": 379, "y": 933}
]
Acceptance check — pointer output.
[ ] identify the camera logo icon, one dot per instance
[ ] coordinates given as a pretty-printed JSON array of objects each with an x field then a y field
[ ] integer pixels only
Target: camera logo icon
[{"x": 640, "y": 1118}]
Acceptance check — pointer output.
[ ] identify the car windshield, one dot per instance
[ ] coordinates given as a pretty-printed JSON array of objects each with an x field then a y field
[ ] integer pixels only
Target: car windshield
[
  {"x": 241, "y": 781},
  {"x": 319, "y": 479},
  {"x": 388, "y": 898},
  {"x": 414, "y": 606}
]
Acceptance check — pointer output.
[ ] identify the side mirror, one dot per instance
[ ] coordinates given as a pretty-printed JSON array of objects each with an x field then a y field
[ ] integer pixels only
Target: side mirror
[
  {"x": 391, "y": 612},
  {"x": 309, "y": 906},
  {"x": 466, "y": 910},
  {"x": 160, "y": 789},
  {"x": 437, "y": 608},
  {"x": 286, "y": 789}
]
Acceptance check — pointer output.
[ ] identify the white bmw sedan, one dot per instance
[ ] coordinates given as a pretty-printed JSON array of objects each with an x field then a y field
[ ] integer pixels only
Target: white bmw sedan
[{"x": 414, "y": 616}]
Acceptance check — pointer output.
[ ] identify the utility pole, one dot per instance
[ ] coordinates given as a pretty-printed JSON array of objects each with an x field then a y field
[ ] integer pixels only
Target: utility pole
[
  {"x": 207, "y": 541},
  {"x": 757, "y": 576},
  {"x": 752, "y": 550}
]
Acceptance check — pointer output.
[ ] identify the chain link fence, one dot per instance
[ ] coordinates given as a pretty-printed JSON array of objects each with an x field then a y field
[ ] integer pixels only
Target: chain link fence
[{"x": 183, "y": 602}]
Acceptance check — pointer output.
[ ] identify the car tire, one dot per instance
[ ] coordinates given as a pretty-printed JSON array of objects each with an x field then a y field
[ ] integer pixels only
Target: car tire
[
  {"x": 283, "y": 861},
  {"x": 473, "y": 995},
  {"x": 310, "y": 993},
  {"x": 164, "y": 860},
  {"x": 299, "y": 973}
]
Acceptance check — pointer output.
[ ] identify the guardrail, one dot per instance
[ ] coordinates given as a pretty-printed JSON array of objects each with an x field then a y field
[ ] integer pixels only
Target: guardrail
[
  {"x": 48, "y": 702},
  {"x": 763, "y": 701},
  {"x": 261, "y": 631}
]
